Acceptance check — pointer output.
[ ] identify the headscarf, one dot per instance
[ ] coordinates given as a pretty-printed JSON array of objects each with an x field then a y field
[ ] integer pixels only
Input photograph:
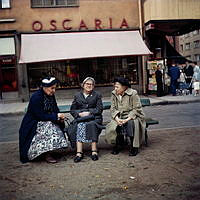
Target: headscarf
[
  {"x": 86, "y": 79},
  {"x": 49, "y": 81}
]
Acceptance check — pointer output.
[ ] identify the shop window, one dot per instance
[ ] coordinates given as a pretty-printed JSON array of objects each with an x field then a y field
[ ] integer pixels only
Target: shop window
[
  {"x": 72, "y": 73},
  {"x": 5, "y": 4},
  {"x": 54, "y": 3}
]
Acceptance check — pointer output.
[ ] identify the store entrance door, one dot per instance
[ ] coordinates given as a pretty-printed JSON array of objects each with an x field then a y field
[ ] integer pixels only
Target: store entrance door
[{"x": 8, "y": 77}]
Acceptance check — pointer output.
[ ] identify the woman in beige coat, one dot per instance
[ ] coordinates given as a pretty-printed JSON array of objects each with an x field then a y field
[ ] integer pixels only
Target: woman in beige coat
[{"x": 127, "y": 118}]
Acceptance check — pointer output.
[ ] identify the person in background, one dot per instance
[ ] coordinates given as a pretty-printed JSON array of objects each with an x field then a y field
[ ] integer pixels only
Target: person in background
[
  {"x": 188, "y": 70},
  {"x": 196, "y": 79},
  {"x": 41, "y": 129},
  {"x": 127, "y": 118},
  {"x": 86, "y": 108},
  {"x": 159, "y": 78},
  {"x": 174, "y": 73}
]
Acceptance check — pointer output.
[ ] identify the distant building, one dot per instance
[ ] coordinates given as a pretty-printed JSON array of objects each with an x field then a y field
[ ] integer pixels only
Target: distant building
[{"x": 189, "y": 45}]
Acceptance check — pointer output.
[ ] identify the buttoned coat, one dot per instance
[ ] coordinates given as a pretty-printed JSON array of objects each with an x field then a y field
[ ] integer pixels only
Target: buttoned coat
[
  {"x": 128, "y": 106},
  {"x": 93, "y": 104}
]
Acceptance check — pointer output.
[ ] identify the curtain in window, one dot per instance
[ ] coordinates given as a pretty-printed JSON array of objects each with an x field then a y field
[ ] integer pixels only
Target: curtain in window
[
  {"x": 61, "y": 2},
  {"x": 5, "y": 3}
]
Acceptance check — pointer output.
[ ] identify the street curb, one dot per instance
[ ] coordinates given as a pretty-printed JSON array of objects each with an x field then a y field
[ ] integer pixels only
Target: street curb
[
  {"x": 162, "y": 102},
  {"x": 174, "y": 102}
]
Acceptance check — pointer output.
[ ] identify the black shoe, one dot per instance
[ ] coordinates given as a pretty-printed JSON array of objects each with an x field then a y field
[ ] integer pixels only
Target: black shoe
[
  {"x": 115, "y": 150},
  {"x": 95, "y": 156},
  {"x": 133, "y": 151},
  {"x": 78, "y": 158}
]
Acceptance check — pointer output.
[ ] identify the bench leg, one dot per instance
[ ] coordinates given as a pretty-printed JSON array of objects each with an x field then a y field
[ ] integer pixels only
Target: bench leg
[{"x": 146, "y": 138}]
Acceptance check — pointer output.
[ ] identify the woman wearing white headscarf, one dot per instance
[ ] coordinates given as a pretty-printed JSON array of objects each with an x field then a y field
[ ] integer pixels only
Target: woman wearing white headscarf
[{"x": 41, "y": 127}]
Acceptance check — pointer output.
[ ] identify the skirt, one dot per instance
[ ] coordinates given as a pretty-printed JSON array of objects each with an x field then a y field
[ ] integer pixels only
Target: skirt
[
  {"x": 81, "y": 133},
  {"x": 48, "y": 137}
]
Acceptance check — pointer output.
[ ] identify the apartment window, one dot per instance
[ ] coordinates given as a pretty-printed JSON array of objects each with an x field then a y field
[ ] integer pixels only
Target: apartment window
[
  {"x": 181, "y": 47},
  {"x": 187, "y": 46},
  {"x": 54, "y": 3},
  {"x": 5, "y": 4},
  {"x": 197, "y": 44},
  {"x": 197, "y": 57}
]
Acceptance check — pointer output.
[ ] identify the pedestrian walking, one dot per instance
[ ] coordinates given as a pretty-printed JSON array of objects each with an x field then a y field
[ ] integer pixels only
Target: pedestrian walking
[
  {"x": 174, "y": 73},
  {"x": 196, "y": 79},
  {"x": 188, "y": 70},
  {"x": 41, "y": 129}
]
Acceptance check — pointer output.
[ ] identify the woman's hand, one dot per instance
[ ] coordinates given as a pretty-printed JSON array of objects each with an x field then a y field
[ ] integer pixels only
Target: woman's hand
[
  {"x": 124, "y": 121},
  {"x": 84, "y": 114},
  {"x": 61, "y": 116},
  {"x": 119, "y": 121}
]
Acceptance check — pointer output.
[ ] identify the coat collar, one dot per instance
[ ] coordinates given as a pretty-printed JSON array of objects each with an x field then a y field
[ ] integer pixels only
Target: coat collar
[{"x": 128, "y": 91}]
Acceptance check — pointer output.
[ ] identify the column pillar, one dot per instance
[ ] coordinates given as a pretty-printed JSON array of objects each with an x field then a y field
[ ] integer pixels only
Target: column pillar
[{"x": 23, "y": 88}]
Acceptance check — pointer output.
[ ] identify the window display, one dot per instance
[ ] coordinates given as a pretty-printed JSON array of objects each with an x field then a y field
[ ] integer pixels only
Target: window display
[{"x": 72, "y": 73}]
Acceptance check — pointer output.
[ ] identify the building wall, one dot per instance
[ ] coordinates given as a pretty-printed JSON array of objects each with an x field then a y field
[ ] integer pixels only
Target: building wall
[
  {"x": 171, "y": 9},
  {"x": 189, "y": 45},
  {"x": 109, "y": 12}
]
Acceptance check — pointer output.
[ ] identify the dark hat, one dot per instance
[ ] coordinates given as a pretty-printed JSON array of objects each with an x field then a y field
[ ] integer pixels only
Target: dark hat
[
  {"x": 49, "y": 81},
  {"x": 123, "y": 81}
]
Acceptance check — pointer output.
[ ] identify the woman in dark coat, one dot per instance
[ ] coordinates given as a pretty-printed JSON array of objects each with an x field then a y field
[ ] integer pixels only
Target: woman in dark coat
[
  {"x": 87, "y": 110},
  {"x": 40, "y": 131}
]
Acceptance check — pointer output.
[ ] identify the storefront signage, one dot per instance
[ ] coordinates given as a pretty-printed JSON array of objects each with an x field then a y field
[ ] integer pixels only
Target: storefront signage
[
  {"x": 7, "y": 60},
  {"x": 66, "y": 25}
]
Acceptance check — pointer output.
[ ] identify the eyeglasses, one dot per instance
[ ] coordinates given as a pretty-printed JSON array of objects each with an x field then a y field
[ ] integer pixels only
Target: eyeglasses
[{"x": 89, "y": 84}]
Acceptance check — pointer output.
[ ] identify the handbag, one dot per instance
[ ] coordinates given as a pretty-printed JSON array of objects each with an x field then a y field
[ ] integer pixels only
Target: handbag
[{"x": 70, "y": 132}]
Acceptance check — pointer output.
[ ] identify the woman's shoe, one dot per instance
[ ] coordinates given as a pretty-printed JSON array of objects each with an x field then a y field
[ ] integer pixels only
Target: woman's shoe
[
  {"x": 133, "y": 151},
  {"x": 78, "y": 158},
  {"x": 95, "y": 156},
  {"x": 115, "y": 150},
  {"x": 50, "y": 159}
]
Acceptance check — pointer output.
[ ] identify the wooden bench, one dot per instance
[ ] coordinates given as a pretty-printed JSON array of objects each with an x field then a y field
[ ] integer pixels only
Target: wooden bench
[{"x": 107, "y": 105}]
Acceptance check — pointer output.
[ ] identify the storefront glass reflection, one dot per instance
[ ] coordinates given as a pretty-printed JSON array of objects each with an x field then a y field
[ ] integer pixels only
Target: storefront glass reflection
[{"x": 71, "y": 73}]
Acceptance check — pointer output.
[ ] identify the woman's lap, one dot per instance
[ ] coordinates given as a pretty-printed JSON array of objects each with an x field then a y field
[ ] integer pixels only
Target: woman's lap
[{"x": 48, "y": 137}]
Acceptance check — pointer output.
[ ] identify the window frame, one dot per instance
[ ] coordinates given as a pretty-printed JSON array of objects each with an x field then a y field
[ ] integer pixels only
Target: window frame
[
  {"x": 187, "y": 46},
  {"x": 196, "y": 44},
  {"x": 197, "y": 57},
  {"x": 54, "y": 6},
  {"x": 1, "y": 4}
]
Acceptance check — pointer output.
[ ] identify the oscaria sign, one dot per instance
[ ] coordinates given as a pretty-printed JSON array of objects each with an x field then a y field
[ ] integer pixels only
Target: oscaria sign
[{"x": 66, "y": 25}]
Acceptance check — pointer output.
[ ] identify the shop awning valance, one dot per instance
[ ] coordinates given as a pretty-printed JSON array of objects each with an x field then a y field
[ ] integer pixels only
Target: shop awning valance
[{"x": 76, "y": 45}]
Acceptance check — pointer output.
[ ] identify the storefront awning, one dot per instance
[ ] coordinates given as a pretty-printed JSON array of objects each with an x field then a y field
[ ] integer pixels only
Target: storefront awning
[{"x": 62, "y": 46}]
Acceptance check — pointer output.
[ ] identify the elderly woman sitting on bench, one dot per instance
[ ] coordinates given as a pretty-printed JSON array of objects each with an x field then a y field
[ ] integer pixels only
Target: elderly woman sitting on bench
[
  {"x": 87, "y": 111},
  {"x": 127, "y": 118}
]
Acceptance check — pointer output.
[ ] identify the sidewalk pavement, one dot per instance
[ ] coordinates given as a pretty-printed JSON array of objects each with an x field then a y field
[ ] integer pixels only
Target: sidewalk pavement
[{"x": 19, "y": 108}]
